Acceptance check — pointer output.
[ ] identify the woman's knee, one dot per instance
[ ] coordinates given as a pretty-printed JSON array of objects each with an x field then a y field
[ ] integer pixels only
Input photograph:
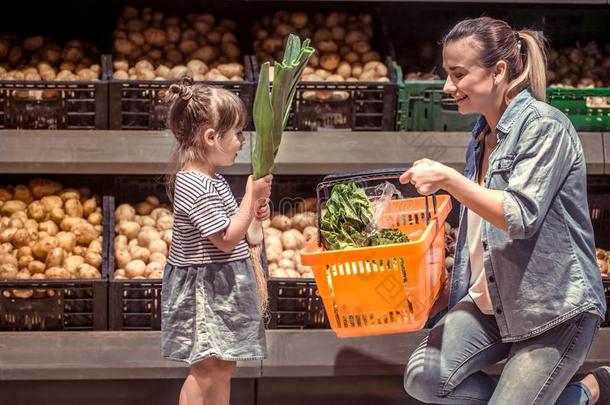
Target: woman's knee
[{"x": 420, "y": 382}]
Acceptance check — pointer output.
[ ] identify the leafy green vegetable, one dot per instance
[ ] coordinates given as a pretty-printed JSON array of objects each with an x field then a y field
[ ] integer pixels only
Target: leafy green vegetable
[
  {"x": 272, "y": 107},
  {"x": 348, "y": 221}
]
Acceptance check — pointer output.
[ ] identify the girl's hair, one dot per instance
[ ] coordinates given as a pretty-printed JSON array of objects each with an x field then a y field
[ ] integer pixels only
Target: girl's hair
[
  {"x": 193, "y": 109},
  {"x": 524, "y": 52}
]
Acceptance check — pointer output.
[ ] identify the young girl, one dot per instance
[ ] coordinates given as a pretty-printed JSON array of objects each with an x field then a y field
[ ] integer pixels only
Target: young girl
[
  {"x": 211, "y": 312},
  {"x": 525, "y": 286}
]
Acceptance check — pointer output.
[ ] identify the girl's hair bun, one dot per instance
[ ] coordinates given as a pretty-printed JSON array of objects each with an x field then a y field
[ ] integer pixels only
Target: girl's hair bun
[{"x": 182, "y": 90}]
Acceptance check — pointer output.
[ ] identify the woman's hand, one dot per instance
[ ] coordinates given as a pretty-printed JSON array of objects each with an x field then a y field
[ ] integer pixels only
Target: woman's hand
[{"x": 428, "y": 176}]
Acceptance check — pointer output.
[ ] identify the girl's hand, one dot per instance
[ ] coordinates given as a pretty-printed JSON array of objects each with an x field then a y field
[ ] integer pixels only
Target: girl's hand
[
  {"x": 428, "y": 176},
  {"x": 263, "y": 211},
  {"x": 261, "y": 188}
]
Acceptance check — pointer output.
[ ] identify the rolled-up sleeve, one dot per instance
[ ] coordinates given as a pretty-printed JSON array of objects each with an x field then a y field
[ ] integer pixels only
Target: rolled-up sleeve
[{"x": 544, "y": 157}]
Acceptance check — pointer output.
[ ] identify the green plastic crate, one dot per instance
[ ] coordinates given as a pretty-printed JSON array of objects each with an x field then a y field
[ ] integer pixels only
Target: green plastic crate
[
  {"x": 574, "y": 104},
  {"x": 422, "y": 106}
]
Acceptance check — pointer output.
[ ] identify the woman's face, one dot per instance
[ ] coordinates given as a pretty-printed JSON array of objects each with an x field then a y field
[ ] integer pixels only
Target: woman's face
[
  {"x": 229, "y": 146},
  {"x": 470, "y": 84}
]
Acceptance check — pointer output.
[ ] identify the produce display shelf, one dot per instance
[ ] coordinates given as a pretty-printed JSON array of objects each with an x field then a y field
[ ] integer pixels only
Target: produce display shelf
[
  {"x": 302, "y": 153},
  {"x": 291, "y": 353}
]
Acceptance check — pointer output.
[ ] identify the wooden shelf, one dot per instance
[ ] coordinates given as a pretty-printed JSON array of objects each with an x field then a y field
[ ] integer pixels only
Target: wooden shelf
[{"x": 302, "y": 153}]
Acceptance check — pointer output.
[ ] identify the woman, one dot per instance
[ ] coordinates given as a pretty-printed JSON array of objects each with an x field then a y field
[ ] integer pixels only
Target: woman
[{"x": 525, "y": 285}]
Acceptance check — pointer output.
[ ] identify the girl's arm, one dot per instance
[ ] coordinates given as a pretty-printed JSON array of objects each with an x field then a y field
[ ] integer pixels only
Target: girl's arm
[{"x": 256, "y": 190}]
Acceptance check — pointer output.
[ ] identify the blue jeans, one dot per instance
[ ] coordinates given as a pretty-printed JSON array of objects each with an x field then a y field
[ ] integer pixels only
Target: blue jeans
[{"x": 446, "y": 368}]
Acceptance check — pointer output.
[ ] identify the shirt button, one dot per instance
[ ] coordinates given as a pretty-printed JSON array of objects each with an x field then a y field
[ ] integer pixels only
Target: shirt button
[
  {"x": 498, "y": 311},
  {"x": 491, "y": 279}
]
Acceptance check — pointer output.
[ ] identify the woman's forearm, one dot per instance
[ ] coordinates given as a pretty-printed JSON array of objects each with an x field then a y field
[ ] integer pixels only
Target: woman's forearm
[{"x": 488, "y": 204}]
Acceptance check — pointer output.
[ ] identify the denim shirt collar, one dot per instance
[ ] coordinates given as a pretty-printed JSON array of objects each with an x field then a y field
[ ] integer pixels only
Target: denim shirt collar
[{"x": 512, "y": 113}]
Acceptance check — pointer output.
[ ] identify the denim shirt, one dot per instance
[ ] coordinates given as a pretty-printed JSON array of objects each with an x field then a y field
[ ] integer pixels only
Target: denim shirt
[{"x": 543, "y": 271}]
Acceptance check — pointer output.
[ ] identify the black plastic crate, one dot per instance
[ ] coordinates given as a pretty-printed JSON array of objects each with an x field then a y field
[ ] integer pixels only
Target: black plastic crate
[
  {"x": 139, "y": 104},
  {"x": 53, "y": 104},
  {"x": 295, "y": 304},
  {"x": 59, "y": 305},
  {"x": 356, "y": 106},
  {"x": 606, "y": 281}
]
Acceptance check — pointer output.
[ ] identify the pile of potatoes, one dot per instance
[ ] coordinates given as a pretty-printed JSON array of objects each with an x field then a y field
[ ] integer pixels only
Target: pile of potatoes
[
  {"x": 149, "y": 45},
  {"x": 284, "y": 238},
  {"x": 142, "y": 241},
  {"x": 581, "y": 67},
  {"x": 342, "y": 43},
  {"x": 41, "y": 58},
  {"x": 49, "y": 232}
]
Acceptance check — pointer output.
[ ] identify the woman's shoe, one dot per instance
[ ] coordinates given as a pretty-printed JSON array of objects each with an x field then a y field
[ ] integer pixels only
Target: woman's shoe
[{"x": 602, "y": 375}]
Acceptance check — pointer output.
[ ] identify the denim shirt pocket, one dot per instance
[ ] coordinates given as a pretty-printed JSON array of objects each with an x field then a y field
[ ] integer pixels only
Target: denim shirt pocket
[{"x": 499, "y": 172}]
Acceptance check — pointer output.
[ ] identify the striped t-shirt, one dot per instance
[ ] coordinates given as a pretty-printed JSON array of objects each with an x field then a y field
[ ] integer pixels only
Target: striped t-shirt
[{"x": 202, "y": 207}]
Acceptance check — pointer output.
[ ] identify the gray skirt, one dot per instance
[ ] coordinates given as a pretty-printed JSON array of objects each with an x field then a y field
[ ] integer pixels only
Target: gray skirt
[{"x": 211, "y": 310}]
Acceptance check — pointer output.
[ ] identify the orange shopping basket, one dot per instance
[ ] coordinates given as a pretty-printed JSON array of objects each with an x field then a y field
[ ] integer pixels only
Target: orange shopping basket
[{"x": 383, "y": 289}]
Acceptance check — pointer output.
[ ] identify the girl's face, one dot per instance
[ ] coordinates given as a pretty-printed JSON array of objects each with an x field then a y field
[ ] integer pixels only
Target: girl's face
[
  {"x": 227, "y": 148},
  {"x": 470, "y": 84}
]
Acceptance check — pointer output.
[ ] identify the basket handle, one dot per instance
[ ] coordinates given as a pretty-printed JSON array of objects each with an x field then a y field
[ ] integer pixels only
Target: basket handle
[{"x": 367, "y": 175}]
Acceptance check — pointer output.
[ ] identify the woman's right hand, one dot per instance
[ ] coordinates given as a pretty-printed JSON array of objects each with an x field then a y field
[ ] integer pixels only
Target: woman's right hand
[{"x": 261, "y": 188}]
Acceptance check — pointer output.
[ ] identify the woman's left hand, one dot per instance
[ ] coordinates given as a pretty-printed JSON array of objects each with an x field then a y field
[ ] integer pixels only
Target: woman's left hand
[{"x": 428, "y": 176}]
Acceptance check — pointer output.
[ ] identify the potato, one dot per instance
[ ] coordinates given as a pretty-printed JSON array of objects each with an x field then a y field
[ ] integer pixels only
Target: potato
[
  {"x": 370, "y": 56},
  {"x": 135, "y": 268},
  {"x": 273, "y": 254},
  {"x": 5, "y": 194},
  {"x": 120, "y": 273},
  {"x": 49, "y": 227},
  {"x": 272, "y": 232},
  {"x": 89, "y": 206},
  {"x": 124, "y": 212},
  {"x": 344, "y": 69},
  {"x": 122, "y": 257},
  {"x": 144, "y": 208},
  {"x": 8, "y": 271},
  {"x": 79, "y": 250},
  {"x": 288, "y": 254},
  {"x": 151, "y": 268},
  {"x": 42, "y": 248},
  {"x": 351, "y": 57},
  {"x": 43, "y": 187},
  {"x": 85, "y": 233},
  {"x": 7, "y": 258},
  {"x": 146, "y": 221},
  {"x": 15, "y": 222},
  {"x": 94, "y": 218},
  {"x": 23, "y": 251},
  {"x": 24, "y": 261},
  {"x": 22, "y": 193},
  {"x": 310, "y": 232},
  {"x": 368, "y": 76},
  {"x": 231, "y": 69},
  {"x": 36, "y": 267},
  {"x": 157, "y": 274},
  {"x": 141, "y": 253},
  {"x": 281, "y": 222},
  {"x": 157, "y": 257},
  {"x": 279, "y": 273},
  {"x": 159, "y": 212},
  {"x": 51, "y": 201},
  {"x": 286, "y": 264},
  {"x": 166, "y": 236},
  {"x": 120, "y": 240},
  {"x": 57, "y": 273},
  {"x": 158, "y": 246},
  {"x": 7, "y": 235},
  {"x": 95, "y": 246},
  {"x": 68, "y": 223},
  {"x": 12, "y": 206},
  {"x": 165, "y": 223},
  {"x": 68, "y": 194},
  {"x": 71, "y": 264},
  {"x": 57, "y": 214},
  {"x": 133, "y": 243},
  {"x": 21, "y": 238},
  {"x": 36, "y": 211},
  {"x": 55, "y": 258},
  {"x": 94, "y": 259},
  {"x": 130, "y": 229},
  {"x": 146, "y": 236},
  {"x": 73, "y": 208},
  {"x": 87, "y": 271}
]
